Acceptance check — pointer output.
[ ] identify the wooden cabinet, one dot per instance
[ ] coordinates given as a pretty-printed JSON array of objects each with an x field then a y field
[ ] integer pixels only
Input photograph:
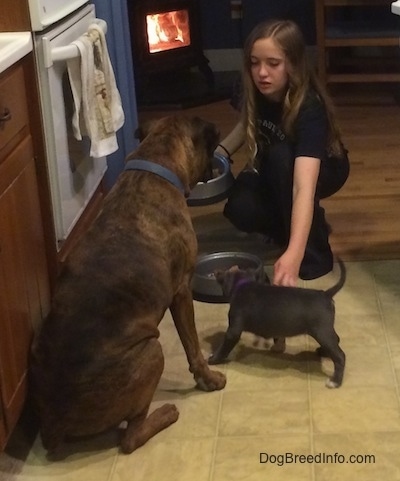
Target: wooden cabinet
[
  {"x": 24, "y": 277},
  {"x": 357, "y": 41},
  {"x": 14, "y": 16}
]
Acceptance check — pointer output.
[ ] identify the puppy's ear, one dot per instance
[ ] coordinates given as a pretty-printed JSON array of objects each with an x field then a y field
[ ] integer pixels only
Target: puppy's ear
[
  {"x": 253, "y": 274},
  {"x": 219, "y": 276}
]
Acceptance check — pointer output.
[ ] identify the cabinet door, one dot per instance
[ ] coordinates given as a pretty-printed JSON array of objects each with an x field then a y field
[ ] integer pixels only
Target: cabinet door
[
  {"x": 23, "y": 286},
  {"x": 3, "y": 435}
]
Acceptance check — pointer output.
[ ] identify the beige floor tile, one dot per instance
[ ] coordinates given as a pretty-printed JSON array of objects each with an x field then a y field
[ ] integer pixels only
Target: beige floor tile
[
  {"x": 198, "y": 413},
  {"x": 263, "y": 370},
  {"x": 383, "y": 271},
  {"x": 354, "y": 409},
  {"x": 256, "y": 412},
  {"x": 357, "y": 300},
  {"x": 389, "y": 298},
  {"x": 360, "y": 330},
  {"x": 395, "y": 359},
  {"x": 366, "y": 366},
  {"x": 359, "y": 274},
  {"x": 90, "y": 460},
  {"x": 211, "y": 322},
  {"x": 239, "y": 458},
  {"x": 10, "y": 466},
  {"x": 176, "y": 376},
  {"x": 376, "y": 457},
  {"x": 170, "y": 459},
  {"x": 325, "y": 281},
  {"x": 273, "y": 403}
]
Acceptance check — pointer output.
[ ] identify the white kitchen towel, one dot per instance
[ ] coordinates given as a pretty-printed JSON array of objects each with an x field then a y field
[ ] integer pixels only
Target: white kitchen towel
[{"x": 98, "y": 111}]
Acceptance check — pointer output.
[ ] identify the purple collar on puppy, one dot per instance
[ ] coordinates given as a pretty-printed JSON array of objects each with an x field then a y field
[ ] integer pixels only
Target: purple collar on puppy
[
  {"x": 148, "y": 166},
  {"x": 241, "y": 282}
]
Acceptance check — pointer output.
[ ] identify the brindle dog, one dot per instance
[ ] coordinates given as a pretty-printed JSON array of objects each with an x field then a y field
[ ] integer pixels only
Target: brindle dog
[{"x": 97, "y": 359}]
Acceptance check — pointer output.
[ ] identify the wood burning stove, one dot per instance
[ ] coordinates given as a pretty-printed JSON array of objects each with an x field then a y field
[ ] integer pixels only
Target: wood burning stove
[
  {"x": 166, "y": 46},
  {"x": 166, "y": 38}
]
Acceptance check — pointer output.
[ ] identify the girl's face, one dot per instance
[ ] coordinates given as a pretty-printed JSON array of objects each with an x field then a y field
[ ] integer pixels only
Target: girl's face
[{"x": 269, "y": 69}]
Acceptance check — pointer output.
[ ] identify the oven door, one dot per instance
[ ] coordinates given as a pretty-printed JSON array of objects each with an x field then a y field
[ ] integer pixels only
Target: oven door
[{"x": 74, "y": 176}]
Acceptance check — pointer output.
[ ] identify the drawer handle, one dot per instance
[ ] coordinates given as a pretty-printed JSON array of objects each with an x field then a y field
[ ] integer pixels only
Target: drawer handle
[{"x": 6, "y": 115}]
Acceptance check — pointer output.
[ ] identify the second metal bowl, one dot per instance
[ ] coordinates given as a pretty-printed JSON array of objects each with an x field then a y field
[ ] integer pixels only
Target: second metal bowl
[{"x": 204, "y": 285}]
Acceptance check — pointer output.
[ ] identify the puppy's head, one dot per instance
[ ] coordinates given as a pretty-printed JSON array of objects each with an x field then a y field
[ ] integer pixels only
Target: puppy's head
[{"x": 228, "y": 279}]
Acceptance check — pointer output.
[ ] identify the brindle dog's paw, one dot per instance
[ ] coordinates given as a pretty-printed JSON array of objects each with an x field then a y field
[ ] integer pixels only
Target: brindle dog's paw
[{"x": 214, "y": 382}]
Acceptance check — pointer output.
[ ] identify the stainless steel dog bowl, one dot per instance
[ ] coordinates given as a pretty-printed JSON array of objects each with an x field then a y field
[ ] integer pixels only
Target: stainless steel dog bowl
[
  {"x": 216, "y": 189},
  {"x": 204, "y": 285}
]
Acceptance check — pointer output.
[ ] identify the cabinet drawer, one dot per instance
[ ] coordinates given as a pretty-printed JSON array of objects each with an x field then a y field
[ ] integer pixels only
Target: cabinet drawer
[{"x": 12, "y": 100}]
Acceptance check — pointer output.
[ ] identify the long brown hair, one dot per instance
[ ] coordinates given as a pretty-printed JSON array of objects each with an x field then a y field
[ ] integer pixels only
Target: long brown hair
[{"x": 302, "y": 78}]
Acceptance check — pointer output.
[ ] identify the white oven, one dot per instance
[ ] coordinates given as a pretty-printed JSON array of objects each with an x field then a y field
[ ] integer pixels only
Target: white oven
[
  {"x": 45, "y": 13},
  {"x": 74, "y": 176},
  {"x": 395, "y": 8}
]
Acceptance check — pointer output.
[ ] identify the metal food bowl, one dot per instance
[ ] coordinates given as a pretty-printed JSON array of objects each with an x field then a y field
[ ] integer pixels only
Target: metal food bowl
[
  {"x": 216, "y": 189},
  {"x": 204, "y": 285}
]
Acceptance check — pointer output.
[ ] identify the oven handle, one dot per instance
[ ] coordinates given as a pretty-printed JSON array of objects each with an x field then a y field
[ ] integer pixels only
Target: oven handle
[{"x": 58, "y": 54}]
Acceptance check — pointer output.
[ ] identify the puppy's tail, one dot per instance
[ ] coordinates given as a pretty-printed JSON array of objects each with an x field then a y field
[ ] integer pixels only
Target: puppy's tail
[{"x": 340, "y": 283}]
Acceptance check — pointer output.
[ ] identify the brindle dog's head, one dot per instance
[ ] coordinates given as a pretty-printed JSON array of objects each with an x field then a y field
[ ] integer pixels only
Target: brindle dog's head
[{"x": 183, "y": 144}]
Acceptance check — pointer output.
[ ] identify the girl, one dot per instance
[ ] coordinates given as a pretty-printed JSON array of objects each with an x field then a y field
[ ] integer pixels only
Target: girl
[{"x": 297, "y": 157}]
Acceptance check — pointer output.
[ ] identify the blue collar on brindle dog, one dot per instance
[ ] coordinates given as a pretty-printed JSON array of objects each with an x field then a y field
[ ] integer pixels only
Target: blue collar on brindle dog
[{"x": 148, "y": 166}]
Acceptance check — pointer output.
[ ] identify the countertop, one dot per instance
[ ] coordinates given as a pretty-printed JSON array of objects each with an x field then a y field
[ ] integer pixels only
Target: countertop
[{"x": 13, "y": 46}]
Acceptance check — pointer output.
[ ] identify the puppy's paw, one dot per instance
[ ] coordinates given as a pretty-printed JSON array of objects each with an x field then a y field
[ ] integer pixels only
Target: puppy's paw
[
  {"x": 279, "y": 345},
  {"x": 260, "y": 342},
  {"x": 331, "y": 384},
  {"x": 213, "y": 360}
]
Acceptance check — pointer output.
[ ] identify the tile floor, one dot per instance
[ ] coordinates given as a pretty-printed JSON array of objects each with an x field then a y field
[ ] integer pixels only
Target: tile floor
[{"x": 274, "y": 407}]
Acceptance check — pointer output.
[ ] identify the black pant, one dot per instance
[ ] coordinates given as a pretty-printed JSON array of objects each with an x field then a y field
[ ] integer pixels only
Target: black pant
[{"x": 263, "y": 203}]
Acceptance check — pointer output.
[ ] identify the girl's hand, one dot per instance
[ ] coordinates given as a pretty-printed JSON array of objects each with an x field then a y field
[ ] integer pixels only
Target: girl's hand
[{"x": 286, "y": 270}]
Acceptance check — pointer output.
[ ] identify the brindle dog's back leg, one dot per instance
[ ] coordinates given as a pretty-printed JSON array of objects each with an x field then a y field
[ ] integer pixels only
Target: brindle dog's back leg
[{"x": 140, "y": 427}]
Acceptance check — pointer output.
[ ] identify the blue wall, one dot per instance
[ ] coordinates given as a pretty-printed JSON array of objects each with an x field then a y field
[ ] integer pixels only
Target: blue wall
[
  {"x": 219, "y": 30},
  {"x": 115, "y": 13}
]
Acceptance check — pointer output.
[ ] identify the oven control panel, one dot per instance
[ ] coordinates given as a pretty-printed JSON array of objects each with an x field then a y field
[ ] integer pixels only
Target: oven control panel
[{"x": 45, "y": 13}]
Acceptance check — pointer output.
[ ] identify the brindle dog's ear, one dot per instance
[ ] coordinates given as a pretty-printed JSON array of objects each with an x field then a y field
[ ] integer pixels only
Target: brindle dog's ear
[
  {"x": 142, "y": 131},
  {"x": 139, "y": 134}
]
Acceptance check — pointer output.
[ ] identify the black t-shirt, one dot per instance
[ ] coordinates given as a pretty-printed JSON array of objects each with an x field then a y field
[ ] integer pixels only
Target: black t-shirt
[{"x": 310, "y": 133}]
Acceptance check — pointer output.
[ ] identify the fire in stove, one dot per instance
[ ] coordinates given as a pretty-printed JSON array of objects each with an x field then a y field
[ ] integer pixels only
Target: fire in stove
[{"x": 166, "y": 31}]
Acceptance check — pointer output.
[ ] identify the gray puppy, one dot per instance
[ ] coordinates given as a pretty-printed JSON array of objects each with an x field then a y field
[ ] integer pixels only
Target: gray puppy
[{"x": 277, "y": 312}]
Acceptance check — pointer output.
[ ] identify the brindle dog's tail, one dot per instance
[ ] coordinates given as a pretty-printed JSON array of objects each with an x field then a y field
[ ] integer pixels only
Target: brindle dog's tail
[{"x": 340, "y": 283}]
